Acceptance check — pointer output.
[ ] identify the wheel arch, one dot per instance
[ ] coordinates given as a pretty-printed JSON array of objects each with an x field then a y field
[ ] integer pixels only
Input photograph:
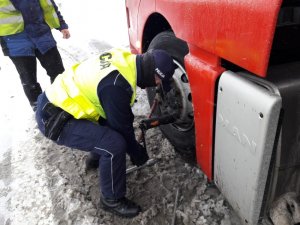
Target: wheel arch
[{"x": 155, "y": 24}]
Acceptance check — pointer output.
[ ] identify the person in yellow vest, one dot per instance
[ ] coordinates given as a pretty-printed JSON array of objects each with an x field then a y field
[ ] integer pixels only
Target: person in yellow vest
[
  {"x": 25, "y": 34},
  {"x": 88, "y": 107}
]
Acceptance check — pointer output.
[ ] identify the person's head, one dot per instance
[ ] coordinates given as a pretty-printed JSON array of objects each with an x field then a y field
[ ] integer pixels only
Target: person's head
[{"x": 157, "y": 68}]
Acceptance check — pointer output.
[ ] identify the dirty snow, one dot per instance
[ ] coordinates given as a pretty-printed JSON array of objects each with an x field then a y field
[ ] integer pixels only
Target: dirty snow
[{"x": 43, "y": 183}]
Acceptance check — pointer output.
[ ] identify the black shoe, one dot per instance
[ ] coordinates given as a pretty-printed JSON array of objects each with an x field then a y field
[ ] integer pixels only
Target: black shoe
[
  {"x": 91, "y": 163},
  {"x": 122, "y": 207}
]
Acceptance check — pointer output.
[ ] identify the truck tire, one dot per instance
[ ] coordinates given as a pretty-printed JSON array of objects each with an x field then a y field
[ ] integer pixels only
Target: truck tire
[{"x": 181, "y": 134}]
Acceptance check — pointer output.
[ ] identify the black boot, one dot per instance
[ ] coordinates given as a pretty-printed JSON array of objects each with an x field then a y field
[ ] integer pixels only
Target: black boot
[{"x": 122, "y": 207}]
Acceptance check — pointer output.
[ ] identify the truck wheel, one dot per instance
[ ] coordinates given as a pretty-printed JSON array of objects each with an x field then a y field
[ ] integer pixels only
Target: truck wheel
[{"x": 181, "y": 133}]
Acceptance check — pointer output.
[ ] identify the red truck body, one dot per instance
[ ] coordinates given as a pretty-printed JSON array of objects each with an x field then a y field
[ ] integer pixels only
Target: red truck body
[
  {"x": 254, "y": 43},
  {"x": 238, "y": 31}
]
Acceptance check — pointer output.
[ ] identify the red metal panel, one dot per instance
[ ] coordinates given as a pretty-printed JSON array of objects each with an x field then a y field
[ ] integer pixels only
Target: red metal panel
[
  {"x": 203, "y": 71},
  {"x": 239, "y": 31},
  {"x": 137, "y": 13},
  {"x": 132, "y": 21}
]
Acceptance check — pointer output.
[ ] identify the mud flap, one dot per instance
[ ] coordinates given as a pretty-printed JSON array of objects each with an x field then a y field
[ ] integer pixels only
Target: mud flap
[{"x": 246, "y": 124}]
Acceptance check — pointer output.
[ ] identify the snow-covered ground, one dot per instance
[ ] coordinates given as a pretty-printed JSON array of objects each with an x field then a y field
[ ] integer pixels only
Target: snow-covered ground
[{"x": 43, "y": 183}]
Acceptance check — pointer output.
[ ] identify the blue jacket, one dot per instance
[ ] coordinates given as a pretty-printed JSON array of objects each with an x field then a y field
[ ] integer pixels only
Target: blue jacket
[{"x": 36, "y": 35}]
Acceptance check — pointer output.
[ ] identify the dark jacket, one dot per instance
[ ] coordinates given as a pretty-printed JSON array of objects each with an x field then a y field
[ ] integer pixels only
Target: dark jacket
[{"x": 36, "y": 34}]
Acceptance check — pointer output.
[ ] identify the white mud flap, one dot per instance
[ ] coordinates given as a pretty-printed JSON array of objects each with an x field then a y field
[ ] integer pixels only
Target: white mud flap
[{"x": 246, "y": 124}]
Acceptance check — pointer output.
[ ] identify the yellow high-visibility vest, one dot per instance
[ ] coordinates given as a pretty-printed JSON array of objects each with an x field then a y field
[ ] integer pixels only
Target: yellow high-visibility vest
[
  {"x": 50, "y": 14},
  {"x": 11, "y": 20},
  {"x": 75, "y": 90}
]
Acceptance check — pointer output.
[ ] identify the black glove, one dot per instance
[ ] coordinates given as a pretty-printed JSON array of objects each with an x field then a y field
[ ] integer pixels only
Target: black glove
[{"x": 140, "y": 157}]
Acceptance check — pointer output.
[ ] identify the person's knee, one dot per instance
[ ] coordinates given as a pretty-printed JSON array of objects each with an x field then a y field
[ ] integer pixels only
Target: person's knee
[
  {"x": 117, "y": 143},
  {"x": 120, "y": 144},
  {"x": 53, "y": 72}
]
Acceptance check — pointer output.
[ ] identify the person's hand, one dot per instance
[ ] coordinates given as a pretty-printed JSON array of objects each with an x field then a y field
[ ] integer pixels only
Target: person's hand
[
  {"x": 66, "y": 33},
  {"x": 140, "y": 157}
]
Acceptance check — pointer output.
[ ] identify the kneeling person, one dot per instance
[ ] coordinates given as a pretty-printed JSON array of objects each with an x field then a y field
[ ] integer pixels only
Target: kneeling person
[{"x": 89, "y": 108}]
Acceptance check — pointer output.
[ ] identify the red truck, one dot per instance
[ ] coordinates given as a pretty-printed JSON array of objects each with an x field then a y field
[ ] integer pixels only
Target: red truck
[{"x": 236, "y": 90}]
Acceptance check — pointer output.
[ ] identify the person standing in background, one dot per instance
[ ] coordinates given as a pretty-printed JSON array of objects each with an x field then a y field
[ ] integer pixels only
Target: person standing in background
[{"x": 25, "y": 34}]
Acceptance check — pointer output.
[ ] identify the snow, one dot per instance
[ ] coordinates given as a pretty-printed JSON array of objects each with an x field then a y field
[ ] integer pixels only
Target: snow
[{"x": 43, "y": 183}]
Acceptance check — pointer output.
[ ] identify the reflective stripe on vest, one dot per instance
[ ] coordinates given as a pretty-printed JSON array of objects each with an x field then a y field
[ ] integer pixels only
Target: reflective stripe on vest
[
  {"x": 11, "y": 20},
  {"x": 75, "y": 91},
  {"x": 50, "y": 14}
]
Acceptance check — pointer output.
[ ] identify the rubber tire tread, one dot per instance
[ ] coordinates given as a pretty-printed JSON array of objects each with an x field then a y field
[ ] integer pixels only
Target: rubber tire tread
[{"x": 183, "y": 141}]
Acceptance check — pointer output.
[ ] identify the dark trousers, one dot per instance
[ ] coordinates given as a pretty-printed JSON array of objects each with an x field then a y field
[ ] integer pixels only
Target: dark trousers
[
  {"x": 27, "y": 68},
  {"x": 104, "y": 143}
]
